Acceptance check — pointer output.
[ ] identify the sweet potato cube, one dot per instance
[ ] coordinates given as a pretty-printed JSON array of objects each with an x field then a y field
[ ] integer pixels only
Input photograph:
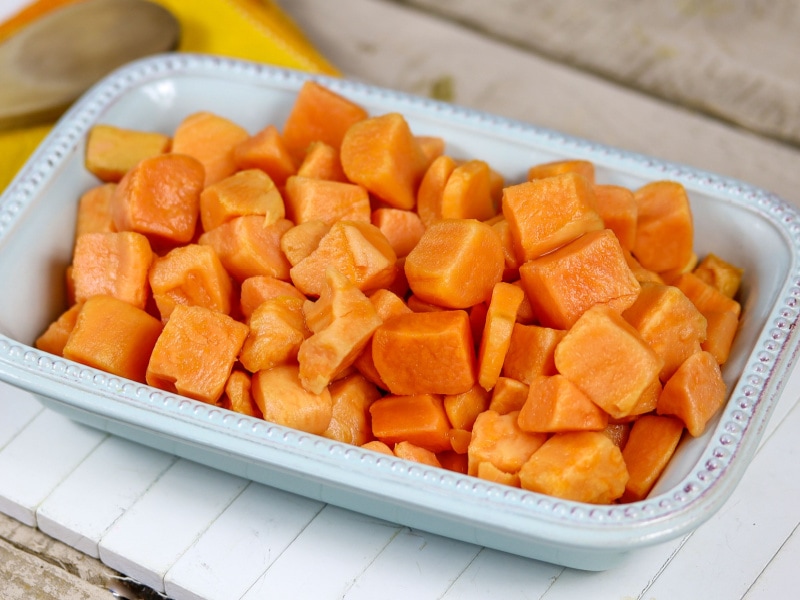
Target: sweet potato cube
[
  {"x": 114, "y": 264},
  {"x": 432, "y": 147},
  {"x": 503, "y": 231},
  {"x": 277, "y": 328},
  {"x": 531, "y": 352},
  {"x": 309, "y": 199},
  {"x": 54, "y": 338},
  {"x": 664, "y": 227},
  {"x": 238, "y": 395},
  {"x": 559, "y": 167},
  {"x": 113, "y": 336},
  {"x": 94, "y": 210},
  {"x": 319, "y": 114},
  {"x": 266, "y": 152},
  {"x": 557, "y": 287},
  {"x": 322, "y": 161},
  {"x": 112, "y": 151},
  {"x": 160, "y": 198},
  {"x": 191, "y": 275},
  {"x": 508, "y": 395},
  {"x": 378, "y": 446},
  {"x": 501, "y": 317},
  {"x": 642, "y": 275},
  {"x": 257, "y": 289},
  {"x": 584, "y": 466},
  {"x": 181, "y": 365},
  {"x": 488, "y": 472},
  {"x": 722, "y": 328},
  {"x": 402, "y": 228},
  {"x": 358, "y": 250},
  {"x": 651, "y": 443},
  {"x": 431, "y": 189},
  {"x": 351, "y": 398},
  {"x": 555, "y": 404},
  {"x": 283, "y": 400},
  {"x": 467, "y": 193},
  {"x": 250, "y": 192},
  {"x": 418, "y": 418},
  {"x": 497, "y": 439},
  {"x": 425, "y": 353},
  {"x": 695, "y": 393},
  {"x": 453, "y": 461},
  {"x": 720, "y": 274},
  {"x": 460, "y": 440},
  {"x": 212, "y": 140},
  {"x": 301, "y": 240},
  {"x": 545, "y": 214},
  {"x": 608, "y": 360},
  {"x": 249, "y": 248},
  {"x": 704, "y": 296},
  {"x": 617, "y": 207},
  {"x": 409, "y": 451},
  {"x": 381, "y": 154},
  {"x": 669, "y": 322},
  {"x": 342, "y": 321},
  {"x": 618, "y": 432},
  {"x": 456, "y": 263},
  {"x": 463, "y": 409}
]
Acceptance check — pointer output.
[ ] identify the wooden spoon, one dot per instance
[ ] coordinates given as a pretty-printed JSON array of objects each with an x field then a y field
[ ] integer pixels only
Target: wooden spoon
[{"x": 50, "y": 63}]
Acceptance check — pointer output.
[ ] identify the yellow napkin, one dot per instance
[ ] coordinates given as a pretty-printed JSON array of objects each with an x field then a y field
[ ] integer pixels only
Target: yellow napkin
[{"x": 250, "y": 29}]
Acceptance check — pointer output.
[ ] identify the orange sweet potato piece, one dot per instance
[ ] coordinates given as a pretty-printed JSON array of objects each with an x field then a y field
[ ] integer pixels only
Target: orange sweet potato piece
[
  {"x": 460, "y": 440},
  {"x": 113, "y": 336},
  {"x": 238, "y": 396},
  {"x": 309, "y": 199},
  {"x": 456, "y": 263},
  {"x": 342, "y": 321},
  {"x": 432, "y": 147},
  {"x": 191, "y": 275},
  {"x": 496, "y": 339},
  {"x": 302, "y": 239},
  {"x": 704, "y": 296},
  {"x": 497, "y": 439},
  {"x": 585, "y": 466},
  {"x": 453, "y": 461},
  {"x": 722, "y": 326},
  {"x": 651, "y": 443},
  {"x": 383, "y": 155},
  {"x": 559, "y": 167},
  {"x": 508, "y": 395},
  {"x": 545, "y": 214},
  {"x": 277, "y": 328},
  {"x": 489, "y": 472},
  {"x": 160, "y": 198},
  {"x": 425, "y": 353},
  {"x": 267, "y": 152},
  {"x": 181, "y": 365},
  {"x": 409, "y": 451},
  {"x": 54, "y": 338},
  {"x": 531, "y": 352},
  {"x": 94, "y": 210},
  {"x": 113, "y": 264},
  {"x": 283, "y": 400},
  {"x": 463, "y": 409},
  {"x": 591, "y": 270},
  {"x": 419, "y": 419},
  {"x": 608, "y": 360},
  {"x": 617, "y": 207},
  {"x": 720, "y": 274},
  {"x": 402, "y": 228},
  {"x": 112, "y": 151},
  {"x": 664, "y": 227},
  {"x": 212, "y": 140},
  {"x": 322, "y": 161},
  {"x": 503, "y": 231},
  {"x": 378, "y": 446},
  {"x": 319, "y": 114},
  {"x": 248, "y": 248},
  {"x": 669, "y": 322},
  {"x": 639, "y": 271},
  {"x": 695, "y": 393},
  {"x": 431, "y": 188},
  {"x": 618, "y": 433},
  {"x": 350, "y": 420},
  {"x": 555, "y": 404},
  {"x": 468, "y": 192},
  {"x": 358, "y": 250},
  {"x": 250, "y": 192},
  {"x": 255, "y": 290}
]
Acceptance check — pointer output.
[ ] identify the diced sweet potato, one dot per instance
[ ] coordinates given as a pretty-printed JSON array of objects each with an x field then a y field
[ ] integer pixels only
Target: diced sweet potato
[
  {"x": 255, "y": 290},
  {"x": 651, "y": 443},
  {"x": 409, "y": 451},
  {"x": 425, "y": 353},
  {"x": 402, "y": 228},
  {"x": 378, "y": 446},
  {"x": 351, "y": 398},
  {"x": 556, "y": 283},
  {"x": 555, "y": 404},
  {"x": 664, "y": 227},
  {"x": 531, "y": 352},
  {"x": 496, "y": 339},
  {"x": 113, "y": 336},
  {"x": 301, "y": 240},
  {"x": 94, "y": 210},
  {"x": 489, "y": 472},
  {"x": 559, "y": 167},
  {"x": 720, "y": 274},
  {"x": 321, "y": 161},
  {"x": 267, "y": 152},
  {"x": 419, "y": 419},
  {"x": 54, "y": 338},
  {"x": 722, "y": 326},
  {"x": 431, "y": 188},
  {"x": 704, "y": 296},
  {"x": 463, "y": 409},
  {"x": 467, "y": 193},
  {"x": 508, "y": 395},
  {"x": 250, "y": 192},
  {"x": 617, "y": 207},
  {"x": 112, "y": 151},
  {"x": 238, "y": 396},
  {"x": 456, "y": 263},
  {"x": 585, "y": 466},
  {"x": 181, "y": 365},
  {"x": 283, "y": 400},
  {"x": 460, "y": 440},
  {"x": 277, "y": 328},
  {"x": 309, "y": 199},
  {"x": 497, "y": 439}
]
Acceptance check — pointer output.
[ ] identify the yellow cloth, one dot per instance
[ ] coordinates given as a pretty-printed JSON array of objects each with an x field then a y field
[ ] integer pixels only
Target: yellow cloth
[{"x": 250, "y": 29}]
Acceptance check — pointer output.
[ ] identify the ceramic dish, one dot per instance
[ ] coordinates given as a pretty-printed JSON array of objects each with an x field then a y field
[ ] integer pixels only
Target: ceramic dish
[{"x": 747, "y": 226}]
